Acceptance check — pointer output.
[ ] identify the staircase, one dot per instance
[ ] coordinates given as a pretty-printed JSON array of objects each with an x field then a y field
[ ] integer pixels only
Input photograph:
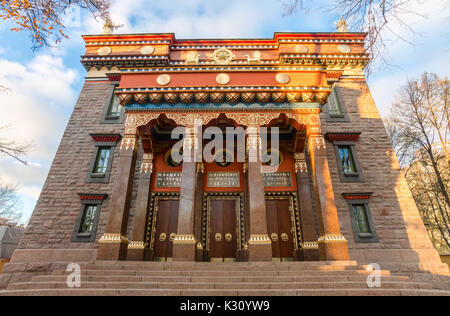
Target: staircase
[{"x": 107, "y": 278}]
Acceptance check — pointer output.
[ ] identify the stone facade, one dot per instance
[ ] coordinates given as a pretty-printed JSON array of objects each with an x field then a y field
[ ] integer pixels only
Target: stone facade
[{"x": 402, "y": 238}]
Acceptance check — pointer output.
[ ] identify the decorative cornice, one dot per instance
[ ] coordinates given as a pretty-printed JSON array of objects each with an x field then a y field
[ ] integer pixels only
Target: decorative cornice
[
  {"x": 92, "y": 197},
  {"x": 357, "y": 196},
  {"x": 233, "y": 95},
  {"x": 106, "y": 138},
  {"x": 342, "y": 137}
]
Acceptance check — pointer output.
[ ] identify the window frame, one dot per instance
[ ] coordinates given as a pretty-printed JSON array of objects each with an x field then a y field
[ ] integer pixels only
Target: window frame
[
  {"x": 86, "y": 201},
  {"x": 359, "y": 237},
  {"x": 348, "y": 177},
  {"x": 93, "y": 177},
  {"x": 108, "y": 119},
  {"x": 343, "y": 117}
]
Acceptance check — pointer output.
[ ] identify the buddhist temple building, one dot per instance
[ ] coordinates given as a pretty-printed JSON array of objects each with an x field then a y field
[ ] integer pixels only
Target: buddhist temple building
[{"x": 115, "y": 193}]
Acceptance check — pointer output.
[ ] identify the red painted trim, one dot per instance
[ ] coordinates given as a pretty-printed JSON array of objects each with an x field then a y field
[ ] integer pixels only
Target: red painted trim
[
  {"x": 357, "y": 196},
  {"x": 171, "y": 37},
  {"x": 101, "y": 138},
  {"x": 93, "y": 197},
  {"x": 343, "y": 137}
]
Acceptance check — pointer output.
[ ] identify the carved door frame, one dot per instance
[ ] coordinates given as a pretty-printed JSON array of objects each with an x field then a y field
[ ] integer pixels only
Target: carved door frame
[
  {"x": 152, "y": 215},
  {"x": 240, "y": 220},
  {"x": 294, "y": 210}
]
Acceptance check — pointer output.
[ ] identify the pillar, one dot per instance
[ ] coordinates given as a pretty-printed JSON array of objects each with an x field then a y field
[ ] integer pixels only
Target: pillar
[
  {"x": 332, "y": 244},
  {"x": 309, "y": 248},
  {"x": 185, "y": 243},
  {"x": 259, "y": 244},
  {"x": 136, "y": 247},
  {"x": 113, "y": 244},
  {"x": 200, "y": 251}
]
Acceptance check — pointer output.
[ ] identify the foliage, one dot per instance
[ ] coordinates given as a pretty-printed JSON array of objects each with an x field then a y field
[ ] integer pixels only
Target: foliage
[{"x": 43, "y": 19}]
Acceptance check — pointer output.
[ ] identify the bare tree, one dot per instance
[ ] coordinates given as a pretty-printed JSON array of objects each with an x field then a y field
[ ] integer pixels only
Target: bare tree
[
  {"x": 43, "y": 19},
  {"x": 380, "y": 19},
  {"x": 419, "y": 129},
  {"x": 13, "y": 149},
  {"x": 9, "y": 202}
]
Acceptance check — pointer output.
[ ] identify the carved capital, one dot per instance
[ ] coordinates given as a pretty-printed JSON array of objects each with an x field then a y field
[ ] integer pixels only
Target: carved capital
[
  {"x": 129, "y": 142},
  {"x": 147, "y": 163},
  {"x": 316, "y": 142},
  {"x": 300, "y": 163}
]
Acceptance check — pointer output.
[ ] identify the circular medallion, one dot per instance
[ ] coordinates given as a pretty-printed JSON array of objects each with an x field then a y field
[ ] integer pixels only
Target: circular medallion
[
  {"x": 223, "y": 79},
  {"x": 302, "y": 49},
  {"x": 344, "y": 48},
  {"x": 104, "y": 51},
  {"x": 173, "y": 161},
  {"x": 147, "y": 50},
  {"x": 222, "y": 56},
  {"x": 283, "y": 78},
  {"x": 163, "y": 80}
]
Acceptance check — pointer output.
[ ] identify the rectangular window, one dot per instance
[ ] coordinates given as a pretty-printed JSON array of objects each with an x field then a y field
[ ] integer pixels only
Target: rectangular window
[
  {"x": 102, "y": 160},
  {"x": 359, "y": 211},
  {"x": 334, "y": 105},
  {"x": 347, "y": 159},
  {"x": 88, "y": 219},
  {"x": 115, "y": 109},
  {"x": 363, "y": 226}
]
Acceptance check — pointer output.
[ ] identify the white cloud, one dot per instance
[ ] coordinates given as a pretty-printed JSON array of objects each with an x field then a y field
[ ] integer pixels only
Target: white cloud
[{"x": 36, "y": 110}]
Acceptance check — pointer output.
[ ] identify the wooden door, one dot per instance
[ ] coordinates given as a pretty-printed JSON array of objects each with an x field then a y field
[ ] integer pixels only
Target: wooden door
[
  {"x": 280, "y": 229},
  {"x": 166, "y": 227},
  {"x": 223, "y": 233}
]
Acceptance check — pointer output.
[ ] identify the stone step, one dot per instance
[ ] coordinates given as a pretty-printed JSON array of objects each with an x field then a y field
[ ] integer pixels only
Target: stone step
[
  {"x": 222, "y": 286},
  {"x": 254, "y": 293},
  {"x": 221, "y": 273},
  {"x": 280, "y": 267},
  {"x": 200, "y": 279},
  {"x": 227, "y": 264}
]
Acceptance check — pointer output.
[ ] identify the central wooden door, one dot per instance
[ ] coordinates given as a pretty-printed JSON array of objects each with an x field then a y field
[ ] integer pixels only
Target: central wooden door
[
  {"x": 166, "y": 228},
  {"x": 223, "y": 229},
  {"x": 280, "y": 229}
]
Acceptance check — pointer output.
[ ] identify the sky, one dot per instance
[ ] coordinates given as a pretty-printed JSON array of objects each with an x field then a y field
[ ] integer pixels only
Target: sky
[{"x": 45, "y": 84}]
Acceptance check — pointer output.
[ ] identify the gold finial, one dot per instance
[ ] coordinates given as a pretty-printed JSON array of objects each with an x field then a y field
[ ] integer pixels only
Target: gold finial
[
  {"x": 341, "y": 26},
  {"x": 109, "y": 27}
]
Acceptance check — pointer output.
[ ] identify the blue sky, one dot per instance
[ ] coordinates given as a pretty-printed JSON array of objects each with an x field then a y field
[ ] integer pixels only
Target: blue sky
[{"x": 45, "y": 84}]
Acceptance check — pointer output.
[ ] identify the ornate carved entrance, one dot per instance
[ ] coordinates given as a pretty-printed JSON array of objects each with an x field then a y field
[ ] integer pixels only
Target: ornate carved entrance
[
  {"x": 224, "y": 227},
  {"x": 163, "y": 221},
  {"x": 283, "y": 225}
]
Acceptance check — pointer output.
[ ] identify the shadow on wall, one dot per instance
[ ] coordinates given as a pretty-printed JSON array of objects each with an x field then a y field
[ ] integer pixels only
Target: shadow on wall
[{"x": 402, "y": 235}]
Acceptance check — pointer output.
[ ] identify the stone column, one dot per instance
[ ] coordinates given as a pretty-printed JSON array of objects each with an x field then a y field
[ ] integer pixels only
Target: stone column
[
  {"x": 332, "y": 244},
  {"x": 200, "y": 253},
  {"x": 113, "y": 244},
  {"x": 309, "y": 249},
  {"x": 136, "y": 247},
  {"x": 184, "y": 244},
  {"x": 259, "y": 244}
]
